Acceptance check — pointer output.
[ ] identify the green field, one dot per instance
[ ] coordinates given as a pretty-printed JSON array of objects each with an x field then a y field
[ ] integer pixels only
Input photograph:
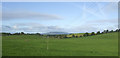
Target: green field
[
  {"x": 0, "y": 45},
  {"x": 35, "y": 45}
]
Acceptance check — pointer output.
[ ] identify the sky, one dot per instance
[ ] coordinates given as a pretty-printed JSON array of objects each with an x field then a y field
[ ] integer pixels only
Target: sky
[{"x": 41, "y": 17}]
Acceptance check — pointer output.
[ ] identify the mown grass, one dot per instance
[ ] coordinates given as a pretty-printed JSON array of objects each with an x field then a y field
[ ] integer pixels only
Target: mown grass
[
  {"x": 0, "y": 45},
  {"x": 35, "y": 45}
]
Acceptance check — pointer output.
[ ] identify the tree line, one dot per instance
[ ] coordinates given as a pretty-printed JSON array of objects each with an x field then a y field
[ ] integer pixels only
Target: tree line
[
  {"x": 63, "y": 35},
  {"x": 20, "y": 33},
  {"x": 104, "y": 32}
]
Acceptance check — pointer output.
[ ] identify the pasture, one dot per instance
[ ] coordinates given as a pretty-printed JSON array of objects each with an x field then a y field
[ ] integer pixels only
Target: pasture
[{"x": 35, "y": 45}]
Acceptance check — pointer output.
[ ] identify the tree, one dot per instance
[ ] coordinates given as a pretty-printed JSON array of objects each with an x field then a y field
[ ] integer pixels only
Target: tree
[
  {"x": 86, "y": 34},
  {"x": 117, "y": 30},
  {"x": 22, "y": 33},
  {"x": 73, "y": 35},
  {"x": 92, "y": 33},
  {"x": 102, "y": 32},
  {"x": 16, "y": 33},
  {"x": 107, "y": 31},
  {"x": 38, "y": 34},
  {"x": 111, "y": 31},
  {"x": 65, "y": 36},
  {"x": 6, "y": 34},
  {"x": 98, "y": 32}
]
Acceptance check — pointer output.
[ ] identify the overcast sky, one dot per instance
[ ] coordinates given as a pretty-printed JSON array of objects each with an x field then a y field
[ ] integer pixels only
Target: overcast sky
[{"x": 59, "y": 16}]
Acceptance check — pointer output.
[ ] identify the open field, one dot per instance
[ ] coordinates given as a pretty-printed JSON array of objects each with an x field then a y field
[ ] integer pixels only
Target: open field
[
  {"x": 0, "y": 45},
  {"x": 35, "y": 45}
]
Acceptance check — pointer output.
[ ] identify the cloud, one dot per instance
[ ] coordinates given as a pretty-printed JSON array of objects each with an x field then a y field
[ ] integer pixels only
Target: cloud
[
  {"x": 114, "y": 21},
  {"x": 99, "y": 10},
  {"x": 6, "y": 28},
  {"x": 112, "y": 7},
  {"x": 28, "y": 27},
  {"x": 92, "y": 28},
  {"x": 110, "y": 24},
  {"x": 36, "y": 27},
  {"x": 28, "y": 15},
  {"x": 84, "y": 28},
  {"x": 0, "y": 11}
]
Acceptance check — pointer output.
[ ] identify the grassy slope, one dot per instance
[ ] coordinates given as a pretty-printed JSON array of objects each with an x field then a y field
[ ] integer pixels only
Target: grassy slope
[{"x": 33, "y": 45}]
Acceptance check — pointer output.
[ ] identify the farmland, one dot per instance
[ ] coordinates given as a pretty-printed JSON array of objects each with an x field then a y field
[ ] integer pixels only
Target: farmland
[{"x": 35, "y": 45}]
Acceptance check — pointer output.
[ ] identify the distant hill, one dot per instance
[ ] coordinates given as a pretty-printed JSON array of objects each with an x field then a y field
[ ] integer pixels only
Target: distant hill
[{"x": 56, "y": 33}]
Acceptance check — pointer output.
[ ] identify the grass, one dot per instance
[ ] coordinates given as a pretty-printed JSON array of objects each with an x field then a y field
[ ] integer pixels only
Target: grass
[
  {"x": 35, "y": 45},
  {"x": 0, "y": 45}
]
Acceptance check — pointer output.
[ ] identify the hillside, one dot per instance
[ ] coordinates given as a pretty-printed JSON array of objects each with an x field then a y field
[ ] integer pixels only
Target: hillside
[{"x": 55, "y": 33}]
